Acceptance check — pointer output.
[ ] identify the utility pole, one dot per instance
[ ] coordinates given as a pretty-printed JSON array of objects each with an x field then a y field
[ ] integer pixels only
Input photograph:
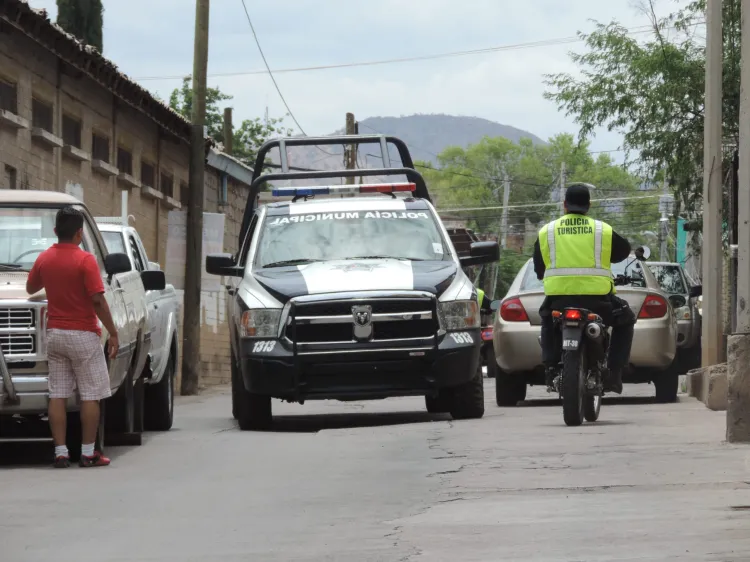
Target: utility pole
[
  {"x": 228, "y": 131},
  {"x": 506, "y": 199},
  {"x": 191, "y": 331},
  {"x": 663, "y": 222},
  {"x": 563, "y": 181},
  {"x": 712, "y": 336},
  {"x": 738, "y": 368},
  {"x": 350, "y": 153}
]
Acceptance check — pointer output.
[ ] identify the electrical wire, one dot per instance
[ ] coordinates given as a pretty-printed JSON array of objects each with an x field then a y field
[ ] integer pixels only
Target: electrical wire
[{"x": 529, "y": 205}]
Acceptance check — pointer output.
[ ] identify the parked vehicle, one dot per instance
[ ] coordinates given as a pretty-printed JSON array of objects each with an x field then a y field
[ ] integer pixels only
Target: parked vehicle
[
  {"x": 163, "y": 319},
  {"x": 518, "y": 324},
  {"x": 27, "y": 222},
  {"x": 673, "y": 280},
  {"x": 350, "y": 298},
  {"x": 585, "y": 340}
]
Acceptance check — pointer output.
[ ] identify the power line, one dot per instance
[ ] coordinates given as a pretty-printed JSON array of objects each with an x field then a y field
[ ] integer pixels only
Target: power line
[
  {"x": 512, "y": 47},
  {"x": 525, "y": 205}
]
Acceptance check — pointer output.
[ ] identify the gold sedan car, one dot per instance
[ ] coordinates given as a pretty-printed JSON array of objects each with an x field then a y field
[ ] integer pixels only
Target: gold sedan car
[{"x": 517, "y": 328}]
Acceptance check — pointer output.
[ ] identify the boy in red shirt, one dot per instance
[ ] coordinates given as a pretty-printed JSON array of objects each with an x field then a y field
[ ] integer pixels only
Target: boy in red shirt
[{"x": 75, "y": 298}]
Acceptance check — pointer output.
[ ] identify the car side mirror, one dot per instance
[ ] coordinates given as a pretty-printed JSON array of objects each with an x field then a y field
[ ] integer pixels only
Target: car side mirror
[
  {"x": 223, "y": 264},
  {"x": 677, "y": 301},
  {"x": 696, "y": 291},
  {"x": 154, "y": 280},
  {"x": 480, "y": 253},
  {"x": 117, "y": 263},
  {"x": 495, "y": 305}
]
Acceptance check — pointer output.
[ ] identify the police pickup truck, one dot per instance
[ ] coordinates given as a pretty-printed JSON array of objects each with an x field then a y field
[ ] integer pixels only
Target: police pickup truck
[{"x": 350, "y": 292}]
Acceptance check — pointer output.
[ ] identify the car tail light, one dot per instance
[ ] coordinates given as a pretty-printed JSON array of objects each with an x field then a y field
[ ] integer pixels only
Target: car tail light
[
  {"x": 572, "y": 314},
  {"x": 487, "y": 334},
  {"x": 655, "y": 306},
  {"x": 512, "y": 310}
]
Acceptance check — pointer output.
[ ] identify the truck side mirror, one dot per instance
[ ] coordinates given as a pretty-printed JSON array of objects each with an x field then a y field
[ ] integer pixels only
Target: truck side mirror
[
  {"x": 117, "y": 263},
  {"x": 480, "y": 253},
  {"x": 154, "y": 280},
  {"x": 223, "y": 264}
]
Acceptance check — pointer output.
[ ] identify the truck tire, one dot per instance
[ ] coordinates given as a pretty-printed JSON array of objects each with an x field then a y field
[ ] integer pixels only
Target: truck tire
[
  {"x": 160, "y": 400},
  {"x": 509, "y": 389},
  {"x": 236, "y": 385},
  {"x": 573, "y": 381},
  {"x": 254, "y": 411},
  {"x": 439, "y": 404},
  {"x": 666, "y": 385},
  {"x": 467, "y": 400}
]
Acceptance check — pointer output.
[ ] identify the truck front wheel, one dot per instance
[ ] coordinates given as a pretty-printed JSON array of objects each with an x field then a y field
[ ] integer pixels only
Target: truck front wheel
[
  {"x": 467, "y": 400},
  {"x": 254, "y": 412}
]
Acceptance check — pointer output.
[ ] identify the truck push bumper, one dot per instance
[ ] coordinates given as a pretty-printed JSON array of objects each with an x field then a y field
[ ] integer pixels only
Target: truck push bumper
[{"x": 362, "y": 373}]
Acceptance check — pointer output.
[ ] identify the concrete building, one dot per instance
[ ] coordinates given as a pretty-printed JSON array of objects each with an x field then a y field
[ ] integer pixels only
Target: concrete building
[{"x": 70, "y": 121}]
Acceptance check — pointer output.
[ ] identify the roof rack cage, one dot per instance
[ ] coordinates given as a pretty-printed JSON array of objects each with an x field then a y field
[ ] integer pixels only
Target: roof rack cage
[{"x": 408, "y": 169}]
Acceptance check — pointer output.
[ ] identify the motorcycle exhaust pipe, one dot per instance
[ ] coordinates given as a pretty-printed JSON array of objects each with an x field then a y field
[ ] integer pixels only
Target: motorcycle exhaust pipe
[{"x": 594, "y": 331}]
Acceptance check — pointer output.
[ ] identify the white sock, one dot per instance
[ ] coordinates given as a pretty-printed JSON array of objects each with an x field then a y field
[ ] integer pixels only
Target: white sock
[
  {"x": 87, "y": 450},
  {"x": 61, "y": 451}
]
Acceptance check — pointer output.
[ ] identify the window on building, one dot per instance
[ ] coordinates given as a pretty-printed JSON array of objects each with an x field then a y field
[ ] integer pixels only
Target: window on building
[
  {"x": 8, "y": 96},
  {"x": 148, "y": 175},
  {"x": 100, "y": 147},
  {"x": 166, "y": 184},
  {"x": 72, "y": 130},
  {"x": 42, "y": 115},
  {"x": 184, "y": 192},
  {"x": 124, "y": 160},
  {"x": 10, "y": 178}
]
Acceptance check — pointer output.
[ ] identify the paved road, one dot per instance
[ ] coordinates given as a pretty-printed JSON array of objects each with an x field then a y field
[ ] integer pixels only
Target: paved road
[{"x": 384, "y": 481}]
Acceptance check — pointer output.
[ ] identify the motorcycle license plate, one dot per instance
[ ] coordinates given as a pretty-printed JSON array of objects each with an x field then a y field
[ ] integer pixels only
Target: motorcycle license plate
[{"x": 570, "y": 345}]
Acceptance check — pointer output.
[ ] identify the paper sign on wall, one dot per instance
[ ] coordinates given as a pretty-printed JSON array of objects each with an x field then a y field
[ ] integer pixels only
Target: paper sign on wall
[{"x": 213, "y": 243}]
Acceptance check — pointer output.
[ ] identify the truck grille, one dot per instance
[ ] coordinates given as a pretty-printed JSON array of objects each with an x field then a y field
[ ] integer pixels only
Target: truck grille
[
  {"x": 18, "y": 344},
  {"x": 390, "y": 320},
  {"x": 17, "y": 318}
]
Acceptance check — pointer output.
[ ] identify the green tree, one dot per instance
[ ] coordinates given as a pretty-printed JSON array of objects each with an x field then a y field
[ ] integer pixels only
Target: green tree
[
  {"x": 652, "y": 91},
  {"x": 84, "y": 19},
  {"x": 247, "y": 138}
]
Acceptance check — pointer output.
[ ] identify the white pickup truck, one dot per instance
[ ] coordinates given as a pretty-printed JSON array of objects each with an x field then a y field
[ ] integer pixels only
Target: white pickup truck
[
  {"x": 27, "y": 223},
  {"x": 163, "y": 320}
]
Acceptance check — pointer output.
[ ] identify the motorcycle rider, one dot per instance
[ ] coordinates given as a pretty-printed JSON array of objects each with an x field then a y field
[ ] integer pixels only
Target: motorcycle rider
[{"x": 573, "y": 256}]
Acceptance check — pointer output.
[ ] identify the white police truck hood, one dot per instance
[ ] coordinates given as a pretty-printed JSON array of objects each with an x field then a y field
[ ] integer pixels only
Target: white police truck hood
[{"x": 358, "y": 275}]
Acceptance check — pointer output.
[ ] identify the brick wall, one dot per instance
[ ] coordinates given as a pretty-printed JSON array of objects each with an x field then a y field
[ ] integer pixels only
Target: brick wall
[{"x": 31, "y": 165}]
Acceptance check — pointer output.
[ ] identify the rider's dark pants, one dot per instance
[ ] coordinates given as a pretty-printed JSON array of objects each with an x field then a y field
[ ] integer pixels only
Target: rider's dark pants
[{"x": 614, "y": 311}]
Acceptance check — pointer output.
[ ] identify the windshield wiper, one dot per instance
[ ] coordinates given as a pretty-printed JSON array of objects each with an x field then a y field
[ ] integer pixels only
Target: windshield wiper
[
  {"x": 383, "y": 258},
  {"x": 12, "y": 267},
  {"x": 298, "y": 261}
]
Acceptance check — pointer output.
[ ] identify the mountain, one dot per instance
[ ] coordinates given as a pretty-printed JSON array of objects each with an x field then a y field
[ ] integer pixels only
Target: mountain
[{"x": 425, "y": 135}]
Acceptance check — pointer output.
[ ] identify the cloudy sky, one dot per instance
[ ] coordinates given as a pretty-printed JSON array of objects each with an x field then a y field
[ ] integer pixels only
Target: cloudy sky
[{"x": 154, "y": 38}]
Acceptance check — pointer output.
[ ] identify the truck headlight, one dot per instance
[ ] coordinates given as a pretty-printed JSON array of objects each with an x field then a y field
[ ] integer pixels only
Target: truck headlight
[
  {"x": 459, "y": 315},
  {"x": 260, "y": 323}
]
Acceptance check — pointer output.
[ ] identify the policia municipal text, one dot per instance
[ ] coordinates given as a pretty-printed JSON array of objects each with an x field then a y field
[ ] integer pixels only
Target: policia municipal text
[{"x": 573, "y": 255}]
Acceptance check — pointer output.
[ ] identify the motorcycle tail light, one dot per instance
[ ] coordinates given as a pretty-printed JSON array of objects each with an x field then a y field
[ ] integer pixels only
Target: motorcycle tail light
[
  {"x": 487, "y": 334},
  {"x": 572, "y": 314},
  {"x": 655, "y": 306}
]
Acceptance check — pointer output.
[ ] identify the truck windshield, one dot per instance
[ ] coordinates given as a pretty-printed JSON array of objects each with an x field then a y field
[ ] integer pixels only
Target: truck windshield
[
  {"x": 669, "y": 278},
  {"x": 24, "y": 234},
  {"x": 309, "y": 237}
]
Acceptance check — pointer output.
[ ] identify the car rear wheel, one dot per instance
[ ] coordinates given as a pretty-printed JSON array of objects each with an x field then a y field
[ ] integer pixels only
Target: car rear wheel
[
  {"x": 509, "y": 389},
  {"x": 467, "y": 400},
  {"x": 666, "y": 385}
]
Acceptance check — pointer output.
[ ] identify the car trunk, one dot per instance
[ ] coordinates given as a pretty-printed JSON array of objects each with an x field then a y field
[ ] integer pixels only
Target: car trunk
[{"x": 531, "y": 302}]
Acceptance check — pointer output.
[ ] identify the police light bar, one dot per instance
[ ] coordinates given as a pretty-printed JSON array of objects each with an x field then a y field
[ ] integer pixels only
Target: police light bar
[{"x": 343, "y": 189}]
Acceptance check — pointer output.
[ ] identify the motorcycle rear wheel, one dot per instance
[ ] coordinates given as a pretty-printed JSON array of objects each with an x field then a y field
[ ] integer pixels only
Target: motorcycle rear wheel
[{"x": 573, "y": 387}]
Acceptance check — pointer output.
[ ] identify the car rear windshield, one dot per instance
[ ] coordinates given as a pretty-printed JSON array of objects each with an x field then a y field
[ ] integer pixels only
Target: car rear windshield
[
  {"x": 669, "y": 278},
  {"x": 327, "y": 236}
]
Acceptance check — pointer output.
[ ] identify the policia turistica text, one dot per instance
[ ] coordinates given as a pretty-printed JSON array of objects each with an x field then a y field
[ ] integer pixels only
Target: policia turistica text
[{"x": 573, "y": 255}]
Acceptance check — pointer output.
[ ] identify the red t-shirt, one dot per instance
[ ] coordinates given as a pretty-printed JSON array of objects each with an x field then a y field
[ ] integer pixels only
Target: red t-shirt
[{"x": 71, "y": 276}]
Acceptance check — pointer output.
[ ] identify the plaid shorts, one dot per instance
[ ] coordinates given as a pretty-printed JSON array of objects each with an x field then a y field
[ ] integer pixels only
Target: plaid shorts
[{"x": 76, "y": 359}]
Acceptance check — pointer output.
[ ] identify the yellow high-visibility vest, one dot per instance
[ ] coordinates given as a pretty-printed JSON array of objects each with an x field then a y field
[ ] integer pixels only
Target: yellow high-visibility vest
[{"x": 577, "y": 251}]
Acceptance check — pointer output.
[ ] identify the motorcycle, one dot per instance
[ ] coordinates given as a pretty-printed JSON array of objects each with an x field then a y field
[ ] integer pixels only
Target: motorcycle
[{"x": 585, "y": 347}]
